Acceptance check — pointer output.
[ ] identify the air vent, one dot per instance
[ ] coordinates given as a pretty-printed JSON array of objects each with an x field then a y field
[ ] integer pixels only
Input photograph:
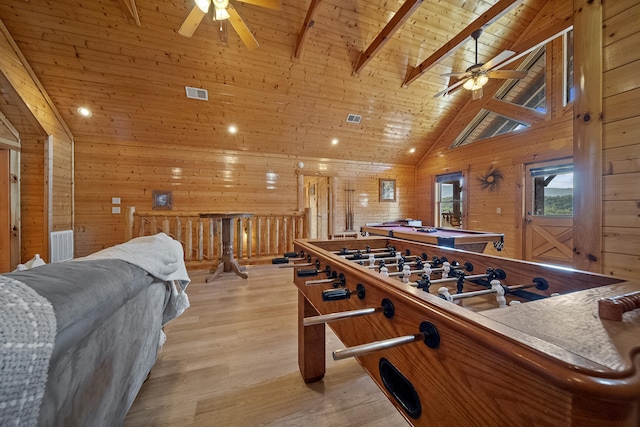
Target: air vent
[
  {"x": 195, "y": 93},
  {"x": 353, "y": 118}
]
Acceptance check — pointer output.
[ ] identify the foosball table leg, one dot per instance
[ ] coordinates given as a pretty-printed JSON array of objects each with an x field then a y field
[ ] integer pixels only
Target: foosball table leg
[{"x": 311, "y": 343}]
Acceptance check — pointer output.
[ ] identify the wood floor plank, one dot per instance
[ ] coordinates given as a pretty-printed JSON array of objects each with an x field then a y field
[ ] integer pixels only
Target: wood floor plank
[{"x": 231, "y": 360}]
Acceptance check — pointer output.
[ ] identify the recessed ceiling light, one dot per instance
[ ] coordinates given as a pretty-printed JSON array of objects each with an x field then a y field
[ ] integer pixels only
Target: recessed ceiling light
[
  {"x": 84, "y": 112},
  {"x": 335, "y": 141},
  {"x": 232, "y": 129},
  {"x": 412, "y": 150}
]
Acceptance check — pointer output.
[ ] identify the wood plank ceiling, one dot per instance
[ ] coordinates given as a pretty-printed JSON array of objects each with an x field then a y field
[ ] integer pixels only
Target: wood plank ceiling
[{"x": 289, "y": 96}]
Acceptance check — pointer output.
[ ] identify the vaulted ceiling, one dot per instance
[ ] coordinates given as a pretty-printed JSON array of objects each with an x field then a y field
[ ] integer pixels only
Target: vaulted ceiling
[{"x": 291, "y": 95}]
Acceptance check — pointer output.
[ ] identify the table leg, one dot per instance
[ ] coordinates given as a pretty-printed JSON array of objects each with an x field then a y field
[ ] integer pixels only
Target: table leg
[
  {"x": 311, "y": 343},
  {"x": 228, "y": 262}
]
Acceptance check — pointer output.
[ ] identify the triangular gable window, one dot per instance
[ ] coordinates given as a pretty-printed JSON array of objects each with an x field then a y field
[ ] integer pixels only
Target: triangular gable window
[{"x": 529, "y": 92}]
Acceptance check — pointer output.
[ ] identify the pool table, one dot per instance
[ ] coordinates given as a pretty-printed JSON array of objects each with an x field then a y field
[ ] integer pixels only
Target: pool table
[{"x": 468, "y": 240}]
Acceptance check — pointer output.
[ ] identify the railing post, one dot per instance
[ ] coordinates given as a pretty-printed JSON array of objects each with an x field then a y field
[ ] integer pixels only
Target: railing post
[
  {"x": 268, "y": 235},
  {"x": 200, "y": 240},
  {"x": 239, "y": 238},
  {"x": 210, "y": 240},
  {"x": 259, "y": 238},
  {"x": 141, "y": 227},
  {"x": 219, "y": 232},
  {"x": 249, "y": 237},
  {"x": 188, "y": 253},
  {"x": 129, "y": 223}
]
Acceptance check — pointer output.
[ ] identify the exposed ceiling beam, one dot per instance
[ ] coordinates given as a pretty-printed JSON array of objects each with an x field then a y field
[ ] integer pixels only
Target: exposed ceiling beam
[
  {"x": 304, "y": 31},
  {"x": 494, "y": 13},
  {"x": 130, "y": 9},
  {"x": 387, "y": 32},
  {"x": 538, "y": 40},
  {"x": 515, "y": 112}
]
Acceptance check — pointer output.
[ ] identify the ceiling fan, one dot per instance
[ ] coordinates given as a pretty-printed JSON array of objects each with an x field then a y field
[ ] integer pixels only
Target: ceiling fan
[
  {"x": 476, "y": 76},
  {"x": 223, "y": 10}
]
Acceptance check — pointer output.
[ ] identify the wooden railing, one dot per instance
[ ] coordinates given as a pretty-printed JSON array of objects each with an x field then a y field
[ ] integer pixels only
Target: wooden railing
[{"x": 261, "y": 236}]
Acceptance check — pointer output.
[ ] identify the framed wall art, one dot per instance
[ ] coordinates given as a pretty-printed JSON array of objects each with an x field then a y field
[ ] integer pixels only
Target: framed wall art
[
  {"x": 387, "y": 190},
  {"x": 162, "y": 200}
]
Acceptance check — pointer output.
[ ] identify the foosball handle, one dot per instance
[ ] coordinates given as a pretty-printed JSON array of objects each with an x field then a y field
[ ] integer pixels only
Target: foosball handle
[{"x": 613, "y": 308}]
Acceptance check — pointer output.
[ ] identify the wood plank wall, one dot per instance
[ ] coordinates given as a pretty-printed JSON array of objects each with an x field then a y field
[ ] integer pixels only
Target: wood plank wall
[
  {"x": 32, "y": 197},
  {"x": 213, "y": 181},
  {"x": 621, "y": 140}
]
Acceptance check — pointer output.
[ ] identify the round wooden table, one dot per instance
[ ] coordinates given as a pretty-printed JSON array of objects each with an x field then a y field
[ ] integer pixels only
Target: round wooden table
[{"x": 228, "y": 263}]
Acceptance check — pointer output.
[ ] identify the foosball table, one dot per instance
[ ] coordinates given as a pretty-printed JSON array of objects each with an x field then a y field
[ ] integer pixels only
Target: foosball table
[{"x": 465, "y": 339}]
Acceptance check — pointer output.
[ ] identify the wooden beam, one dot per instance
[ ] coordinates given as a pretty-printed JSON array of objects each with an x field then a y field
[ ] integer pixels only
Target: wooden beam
[
  {"x": 307, "y": 24},
  {"x": 515, "y": 112},
  {"x": 399, "y": 18},
  {"x": 587, "y": 136},
  {"x": 539, "y": 39},
  {"x": 494, "y": 13},
  {"x": 19, "y": 79},
  {"x": 130, "y": 9}
]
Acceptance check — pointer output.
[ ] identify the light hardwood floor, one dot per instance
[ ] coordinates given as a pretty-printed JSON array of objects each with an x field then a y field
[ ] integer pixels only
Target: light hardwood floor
[{"x": 231, "y": 360}]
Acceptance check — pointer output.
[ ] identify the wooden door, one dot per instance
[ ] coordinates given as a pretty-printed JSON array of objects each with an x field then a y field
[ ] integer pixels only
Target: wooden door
[
  {"x": 323, "y": 207},
  {"x": 5, "y": 212},
  {"x": 317, "y": 194},
  {"x": 548, "y": 222}
]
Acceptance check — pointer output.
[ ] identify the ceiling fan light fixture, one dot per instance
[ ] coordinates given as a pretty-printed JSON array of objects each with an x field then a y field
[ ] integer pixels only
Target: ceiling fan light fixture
[
  {"x": 475, "y": 83},
  {"x": 203, "y": 5},
  {"x": 221, "y": 14}
]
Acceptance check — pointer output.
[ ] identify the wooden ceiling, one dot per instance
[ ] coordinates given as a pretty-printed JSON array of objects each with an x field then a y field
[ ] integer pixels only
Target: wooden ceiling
[{"x": 133, "y": 77}]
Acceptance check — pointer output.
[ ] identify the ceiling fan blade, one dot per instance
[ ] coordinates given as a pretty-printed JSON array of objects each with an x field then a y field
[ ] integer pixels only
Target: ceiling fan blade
[
  {"x": 450, "y": 88},
  {"x": 507, "y": 74},
  {"x": 269, "y": 4},
  {"x": 498, "y": 59},
  {"x": 191, "y": 23},
  {"x": 241, "y": 28},
  {"x": 458, "y": 74},
  {"x": 477, "y": 94}
]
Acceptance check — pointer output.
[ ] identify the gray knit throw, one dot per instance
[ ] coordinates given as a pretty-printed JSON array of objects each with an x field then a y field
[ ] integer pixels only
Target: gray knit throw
[{"x": 27, "y": 335}]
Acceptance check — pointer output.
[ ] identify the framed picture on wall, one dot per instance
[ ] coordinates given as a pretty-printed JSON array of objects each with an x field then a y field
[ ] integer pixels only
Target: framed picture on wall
[
  {"x": 162, "y": 199},
  {"x": 387, "y": 190}
]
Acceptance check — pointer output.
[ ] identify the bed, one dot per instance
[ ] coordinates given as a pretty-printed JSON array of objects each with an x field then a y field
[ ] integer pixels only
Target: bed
[{"x": 79, "y": 338}]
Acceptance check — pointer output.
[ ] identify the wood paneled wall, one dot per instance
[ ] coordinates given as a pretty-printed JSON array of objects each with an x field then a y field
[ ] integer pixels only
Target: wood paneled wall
[
  {"x": 213, "y": 181},
  {"x": 621, "y": 139}
]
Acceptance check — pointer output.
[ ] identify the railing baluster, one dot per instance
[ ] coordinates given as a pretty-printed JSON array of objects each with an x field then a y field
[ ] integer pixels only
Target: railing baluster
[
  {"x": 249, "y": 237},
  {"x": 210, "y": 240},
  {"x": 200, "y": 240},
  {"x": 188, "y": 252}
]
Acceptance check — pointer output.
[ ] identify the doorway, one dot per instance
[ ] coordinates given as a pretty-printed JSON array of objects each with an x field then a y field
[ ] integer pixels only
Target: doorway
[
  {"x": 548, "y": 221},
  {"x": 317, "y": 192},
  {"x": 5, "y": 211}
]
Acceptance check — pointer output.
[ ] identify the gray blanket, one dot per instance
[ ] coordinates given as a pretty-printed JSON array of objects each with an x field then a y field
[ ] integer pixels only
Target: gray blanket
[{"x": 27, "y": 334}]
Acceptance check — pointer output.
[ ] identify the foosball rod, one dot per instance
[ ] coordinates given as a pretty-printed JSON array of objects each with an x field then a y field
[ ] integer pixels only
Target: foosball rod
[
  {"x": 361, "y": 350},
  {"x": 455, "y": 279},
  {"x": 332, "y": 317},
  {"x": 496, "y": 288},
  {"x": 428, "y": 334},
  {"x": 346, "y": 251}
]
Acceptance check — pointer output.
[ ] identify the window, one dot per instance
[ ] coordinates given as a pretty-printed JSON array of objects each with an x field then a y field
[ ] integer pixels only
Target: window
[
  {"x": 449, "y": 200},
  {"x": 553, "y": 190},
  {"x": 569, "y": 92}
]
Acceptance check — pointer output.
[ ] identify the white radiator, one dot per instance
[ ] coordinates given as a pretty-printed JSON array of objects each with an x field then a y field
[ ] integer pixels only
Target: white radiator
[{"x": 60, "y": 246}]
